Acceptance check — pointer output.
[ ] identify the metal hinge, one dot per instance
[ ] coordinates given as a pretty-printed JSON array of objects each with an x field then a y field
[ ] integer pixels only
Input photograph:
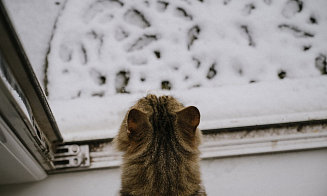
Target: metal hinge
[{"x": 69, "y": 156}]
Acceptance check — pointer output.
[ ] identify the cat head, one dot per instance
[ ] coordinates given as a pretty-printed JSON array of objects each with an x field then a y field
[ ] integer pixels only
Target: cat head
[{"x": 162, "y": 120}]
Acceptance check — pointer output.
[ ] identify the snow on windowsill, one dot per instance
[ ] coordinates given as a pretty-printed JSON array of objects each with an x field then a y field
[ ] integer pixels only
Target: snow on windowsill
[{"x": 221, "y": 107}]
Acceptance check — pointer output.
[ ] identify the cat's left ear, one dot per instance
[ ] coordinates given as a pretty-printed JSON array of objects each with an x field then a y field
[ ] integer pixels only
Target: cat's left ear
[
  {"x": 188, "y": 118},
  {"x": 136, "y": 123}
]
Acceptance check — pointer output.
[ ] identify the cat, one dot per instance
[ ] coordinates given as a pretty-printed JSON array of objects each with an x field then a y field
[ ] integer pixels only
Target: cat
[{"x": 160, "y": 139}]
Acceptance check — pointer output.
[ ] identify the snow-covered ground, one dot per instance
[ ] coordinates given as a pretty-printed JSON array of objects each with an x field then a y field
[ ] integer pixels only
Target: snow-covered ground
[{"x": 240, "y": 62}]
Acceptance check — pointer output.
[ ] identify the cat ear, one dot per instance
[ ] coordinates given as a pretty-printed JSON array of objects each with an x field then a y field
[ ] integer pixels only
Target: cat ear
[
  {"x": 136, "y": 122},
  {"x": 188, "y": 118}
]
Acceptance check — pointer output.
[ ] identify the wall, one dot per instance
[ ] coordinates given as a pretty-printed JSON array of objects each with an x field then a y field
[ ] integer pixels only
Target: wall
[{"x": 292, "y": 174}]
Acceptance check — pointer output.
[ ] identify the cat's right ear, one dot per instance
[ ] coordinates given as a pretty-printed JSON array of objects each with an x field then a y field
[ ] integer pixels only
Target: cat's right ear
[
  {"x": 188, "y": 119},
  {"x": 136, "y": 123}
]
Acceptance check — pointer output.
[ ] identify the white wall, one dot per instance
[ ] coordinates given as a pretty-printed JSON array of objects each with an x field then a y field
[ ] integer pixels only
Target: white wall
[
  {"x": 292, "y": 174},
  {"x": 287, "y": 174}
]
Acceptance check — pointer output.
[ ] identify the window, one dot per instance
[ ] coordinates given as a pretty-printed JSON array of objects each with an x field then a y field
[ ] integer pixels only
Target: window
[{"x": 256, "y": 70}]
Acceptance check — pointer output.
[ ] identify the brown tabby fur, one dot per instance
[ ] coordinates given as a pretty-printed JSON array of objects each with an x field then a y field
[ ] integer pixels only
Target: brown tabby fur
[{"x": 160, "y": 139}]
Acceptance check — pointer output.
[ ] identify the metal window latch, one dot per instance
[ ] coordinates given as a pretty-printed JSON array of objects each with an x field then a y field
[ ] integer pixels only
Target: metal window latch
[{"x": 69, "y": 156}]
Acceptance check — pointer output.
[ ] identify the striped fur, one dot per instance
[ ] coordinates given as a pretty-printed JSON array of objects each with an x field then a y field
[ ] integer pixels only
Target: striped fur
[{"x": 160, "y": 139}]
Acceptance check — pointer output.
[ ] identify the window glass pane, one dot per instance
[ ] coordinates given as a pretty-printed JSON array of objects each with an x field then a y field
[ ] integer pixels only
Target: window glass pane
[{"x": 241, "y": 63}]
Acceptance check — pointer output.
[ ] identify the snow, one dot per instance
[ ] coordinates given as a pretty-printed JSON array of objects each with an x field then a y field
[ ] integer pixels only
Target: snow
[
  {"x": 240, "y": 62},
  {"x": 33, "y": 21},
  {"x": 227, "y": 106}
]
